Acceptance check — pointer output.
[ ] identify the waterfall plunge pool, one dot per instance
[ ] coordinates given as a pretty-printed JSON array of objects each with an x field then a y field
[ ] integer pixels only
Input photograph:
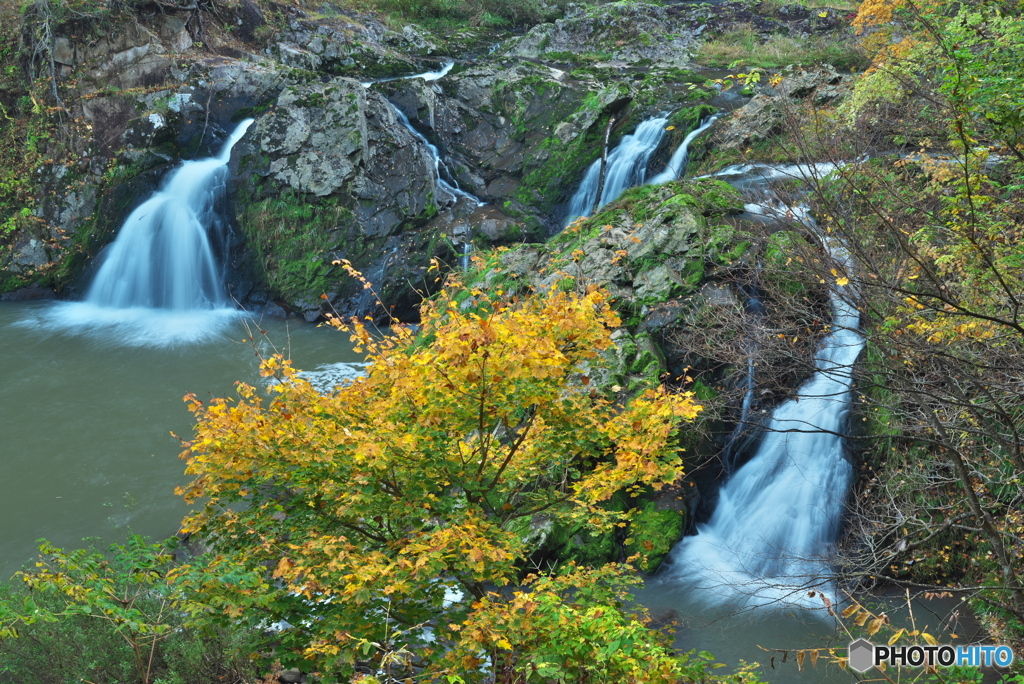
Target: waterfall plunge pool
[{"x": 86, "y": 415}]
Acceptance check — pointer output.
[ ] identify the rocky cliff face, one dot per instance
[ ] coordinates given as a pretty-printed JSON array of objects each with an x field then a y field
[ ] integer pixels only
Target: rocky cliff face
[{"x": 109, "y": 101}]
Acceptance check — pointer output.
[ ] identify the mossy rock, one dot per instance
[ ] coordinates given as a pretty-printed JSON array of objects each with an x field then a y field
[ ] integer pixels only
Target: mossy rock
[
  {"x": 566, "y": 542},
  {"x": 293, "y": 238},
  {"x": 652, "y": 534},
  {"x": 784, "y": 253}
]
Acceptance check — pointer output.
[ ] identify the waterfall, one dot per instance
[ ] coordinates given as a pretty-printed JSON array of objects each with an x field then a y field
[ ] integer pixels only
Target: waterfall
[
  {"x": 627, "y": 167},
  {"x": 162, "y": 257},
  {"x": 160, "y": 283},
  {"x": 452, "y": 188},
  {"x": 680, "y": 158},
  {"x": 776, "y": 518},
  {"x": 467, "y": 248},
  {"x": 426, "y": 75}
]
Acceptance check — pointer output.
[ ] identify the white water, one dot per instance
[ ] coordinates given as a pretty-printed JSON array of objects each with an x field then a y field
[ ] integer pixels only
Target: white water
[
  {"x": 426, "y": 75},
  {"x": 162, "y": 257},
  {"x": 680, "y": 158},
  {"x": 160, "y": 282},
  {"x": 627, "y": 167},
  {"x": 768, "y": 540},
  {"x": 452, "y": 188},
  {"x": 743, "y": 176}
]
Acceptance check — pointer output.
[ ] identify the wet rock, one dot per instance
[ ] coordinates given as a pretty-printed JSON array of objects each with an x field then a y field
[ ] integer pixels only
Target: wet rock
[
  {"x": 761, "y": 118},
  {"x": 29, "y": 294},
  {"x": 500, "y": 124},
  {"x": 341, "y": 178}
]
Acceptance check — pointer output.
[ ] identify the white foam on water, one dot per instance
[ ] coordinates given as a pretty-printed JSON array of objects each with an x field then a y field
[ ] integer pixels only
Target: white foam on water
[{"x": 133, "y": 326}]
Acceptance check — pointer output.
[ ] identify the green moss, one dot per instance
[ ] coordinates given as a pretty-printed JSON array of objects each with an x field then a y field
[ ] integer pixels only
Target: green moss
[
  {"x": 693, "y": 273},
  {"x": 703, "y": 391},
  {"x": 546, "y": 183},
  {"x": 293, "y": 239},
  {"x": 782, "y": 261},
  {"x": 653, "y": 533},
  {"x": 582, "y": 545},
  {"x": 567, "y": 542},
  {"x": 734, "y": 254}
]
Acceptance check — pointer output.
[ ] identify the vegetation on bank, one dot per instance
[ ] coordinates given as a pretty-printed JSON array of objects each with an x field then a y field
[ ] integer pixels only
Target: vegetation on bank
[
  {"x": 381, "y": 525},
  {"x": 363, "y": 511}
]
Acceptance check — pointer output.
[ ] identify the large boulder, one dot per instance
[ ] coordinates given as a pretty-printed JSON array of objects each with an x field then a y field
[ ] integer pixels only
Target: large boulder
[
  {"x": 331, "y": 174},
  {"x": 654, "y": 243},
  {"x": 620, "y": 33}
]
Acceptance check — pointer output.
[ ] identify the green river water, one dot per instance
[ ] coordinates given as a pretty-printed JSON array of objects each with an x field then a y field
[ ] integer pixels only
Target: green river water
[{"x": 86, "y": 417}]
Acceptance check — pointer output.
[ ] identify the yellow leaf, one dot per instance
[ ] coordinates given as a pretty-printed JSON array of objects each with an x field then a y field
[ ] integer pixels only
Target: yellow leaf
[
  {"x": 842, "y": 282},
  {"x": 504, "y": 643},
  {"x": 929, "y": 638},
  {"x": 896, "y": 637},
  {"x": 850, "y": 610},
  {"x": 874, "y": 626}
]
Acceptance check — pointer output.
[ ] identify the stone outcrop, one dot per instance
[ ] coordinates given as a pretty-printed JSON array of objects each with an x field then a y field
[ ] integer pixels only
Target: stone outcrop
[
  {"x": 765, "y": 114},
  {"x": 329, "y": 173},
  {"x": 619, "y": 34},
  {"x": 517, "y": 136}
]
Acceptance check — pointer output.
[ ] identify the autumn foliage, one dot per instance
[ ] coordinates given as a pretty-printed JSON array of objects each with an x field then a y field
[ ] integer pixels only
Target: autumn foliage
[{"x": 393, "y": 505}]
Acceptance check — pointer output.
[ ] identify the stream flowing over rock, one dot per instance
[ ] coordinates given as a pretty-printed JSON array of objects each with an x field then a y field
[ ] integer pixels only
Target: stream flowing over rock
[
  {"x": 330, "y": 163},
  {"x": 328, "y": 174}
]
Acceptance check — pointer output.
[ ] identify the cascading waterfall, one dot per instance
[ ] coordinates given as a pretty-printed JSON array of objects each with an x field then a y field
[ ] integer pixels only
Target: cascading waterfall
[
  {"x": 160, "y": 282},
  {"x": 440, "y": 168},
  {"x": 162, "y": 258},
  {"x": 452, "y": 188},
  {"x": 426, "y": 75},
  {"x": 681, "y": 157},
  {"x": 627, "y": 167},
  {"x": 776, "y": 518},
  {"x": 742, "y": 176}
]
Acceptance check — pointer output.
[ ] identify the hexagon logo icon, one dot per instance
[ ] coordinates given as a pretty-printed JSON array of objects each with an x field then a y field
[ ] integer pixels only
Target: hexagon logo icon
[{"x": 861, "y": 655}]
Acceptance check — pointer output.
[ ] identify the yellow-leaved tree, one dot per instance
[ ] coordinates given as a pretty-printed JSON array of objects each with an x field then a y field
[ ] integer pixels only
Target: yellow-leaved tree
[{"x": 378, "y": 521}]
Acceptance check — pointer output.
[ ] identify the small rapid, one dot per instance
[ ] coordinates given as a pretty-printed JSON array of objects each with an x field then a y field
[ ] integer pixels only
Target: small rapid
[
  {"x": 443, "y": 176},
  {"x": 441, "y": 171},
  {"x": 681, "y": 157}
]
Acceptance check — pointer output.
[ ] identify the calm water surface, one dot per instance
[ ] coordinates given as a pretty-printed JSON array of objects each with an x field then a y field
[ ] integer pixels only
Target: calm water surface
[{"x": 86, "y": 414}]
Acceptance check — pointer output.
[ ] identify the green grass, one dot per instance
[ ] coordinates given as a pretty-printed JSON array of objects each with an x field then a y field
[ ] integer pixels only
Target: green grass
[{"x": 743, "y": 47}]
